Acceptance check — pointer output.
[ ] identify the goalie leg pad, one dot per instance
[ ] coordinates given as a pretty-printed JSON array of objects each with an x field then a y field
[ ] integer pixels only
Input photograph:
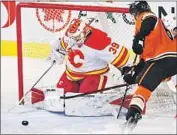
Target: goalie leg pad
[
  {"x": 52, "y": 101},
  {"x": 91, "y": 105},
  {"x": 48, "y": 99}
]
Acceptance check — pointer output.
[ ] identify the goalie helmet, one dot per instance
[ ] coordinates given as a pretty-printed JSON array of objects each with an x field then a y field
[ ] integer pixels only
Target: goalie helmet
[
  {"x": 138, "y": 7},
  {"x": 78, "y": 30}
]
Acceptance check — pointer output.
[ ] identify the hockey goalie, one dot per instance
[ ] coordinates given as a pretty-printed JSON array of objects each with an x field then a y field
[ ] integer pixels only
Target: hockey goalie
[{"x": 88, "y": 52}]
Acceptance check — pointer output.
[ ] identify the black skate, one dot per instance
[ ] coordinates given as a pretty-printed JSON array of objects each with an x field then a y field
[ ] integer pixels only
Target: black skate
[{"x": 129, "y": 125}]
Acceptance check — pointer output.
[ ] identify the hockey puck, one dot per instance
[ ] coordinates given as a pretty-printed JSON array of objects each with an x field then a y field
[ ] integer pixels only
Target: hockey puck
[{"x": 25, "y": 123}]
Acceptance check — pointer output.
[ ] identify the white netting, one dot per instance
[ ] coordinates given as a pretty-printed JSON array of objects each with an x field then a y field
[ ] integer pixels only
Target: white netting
[
  {"x": 40, "y": 26},
  {"x": 162, "y": 101}
]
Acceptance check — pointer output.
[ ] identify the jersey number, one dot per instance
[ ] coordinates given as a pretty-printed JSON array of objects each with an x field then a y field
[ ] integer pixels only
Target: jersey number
[{"x": 113, "y": 48}]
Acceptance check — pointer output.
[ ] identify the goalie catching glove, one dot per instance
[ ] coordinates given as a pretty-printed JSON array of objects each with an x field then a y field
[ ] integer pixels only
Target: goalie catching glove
[{"x": 57, "y": 53}]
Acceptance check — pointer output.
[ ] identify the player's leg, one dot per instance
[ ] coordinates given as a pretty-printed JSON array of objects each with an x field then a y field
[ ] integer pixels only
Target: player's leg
[
  {"x": 156, "y": 72},
  {"x": 92, "y": 83},
  {"x": 150, "y": 77},
  {"x": 68, "y": 85}
]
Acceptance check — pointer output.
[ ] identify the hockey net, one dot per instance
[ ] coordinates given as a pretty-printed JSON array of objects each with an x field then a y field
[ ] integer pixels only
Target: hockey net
[{"x": 40, "y": 23}]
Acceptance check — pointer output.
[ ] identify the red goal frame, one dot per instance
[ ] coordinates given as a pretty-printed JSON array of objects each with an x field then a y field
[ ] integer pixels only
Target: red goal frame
[{"x": 47, "y": 5}]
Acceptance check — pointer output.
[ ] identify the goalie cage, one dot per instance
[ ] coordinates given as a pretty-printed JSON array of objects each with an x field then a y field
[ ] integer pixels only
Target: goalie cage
[{"x": 39, "y": 23}]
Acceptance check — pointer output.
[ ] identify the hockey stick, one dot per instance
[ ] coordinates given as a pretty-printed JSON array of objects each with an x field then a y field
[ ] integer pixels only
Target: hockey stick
[
  {"x": 22, "y": 99},
  {"x": 127, "y": 88},
  {"x": 134, "y": 62},
  {"x": 83, "y": 94},
  {"x": 120, "y": 109}
]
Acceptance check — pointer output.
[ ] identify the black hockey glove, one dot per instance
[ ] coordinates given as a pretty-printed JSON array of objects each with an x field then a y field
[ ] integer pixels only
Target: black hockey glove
[
  {"x": 137, "y": 47},
  {"x": 125, "y": 70},
  {"x": 132, "y": 111},
  {"x": 128, "y": 78},
  {"x": 131, "y": 78}
]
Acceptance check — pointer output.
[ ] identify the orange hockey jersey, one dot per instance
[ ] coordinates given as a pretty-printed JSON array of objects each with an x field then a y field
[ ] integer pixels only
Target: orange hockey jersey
[{"x": 157, "y": 44}]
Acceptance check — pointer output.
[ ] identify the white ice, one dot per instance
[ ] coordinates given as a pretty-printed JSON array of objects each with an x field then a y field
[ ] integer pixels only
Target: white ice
[{"x": 42, "y": 122}]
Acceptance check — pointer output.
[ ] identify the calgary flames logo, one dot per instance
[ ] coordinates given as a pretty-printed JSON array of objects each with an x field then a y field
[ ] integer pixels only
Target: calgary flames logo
[
  {"x": 53, "y": 20},
  {"x": 76, "y": 58}
]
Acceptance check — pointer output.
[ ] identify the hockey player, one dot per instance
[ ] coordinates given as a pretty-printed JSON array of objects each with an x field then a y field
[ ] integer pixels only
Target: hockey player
[
  {"x": 158, "y": 56},
  {"x": 89, "y": 52}
]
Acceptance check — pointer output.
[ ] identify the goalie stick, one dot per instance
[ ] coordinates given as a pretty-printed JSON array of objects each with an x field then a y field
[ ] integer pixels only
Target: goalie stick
[
  {"x": 127, "y": 88},
  {"x": 87, "y": 93},
  {"x": 83, "y": 94}
]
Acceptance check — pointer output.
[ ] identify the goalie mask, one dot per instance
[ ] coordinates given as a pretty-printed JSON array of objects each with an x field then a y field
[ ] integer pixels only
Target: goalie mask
[
  {"x": 79, "y": 31},
  {"x": 138, "y": 7}
]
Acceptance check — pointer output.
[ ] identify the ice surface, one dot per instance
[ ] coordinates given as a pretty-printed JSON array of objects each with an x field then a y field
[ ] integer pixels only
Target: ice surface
[{"x": 42, "y": 122}]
